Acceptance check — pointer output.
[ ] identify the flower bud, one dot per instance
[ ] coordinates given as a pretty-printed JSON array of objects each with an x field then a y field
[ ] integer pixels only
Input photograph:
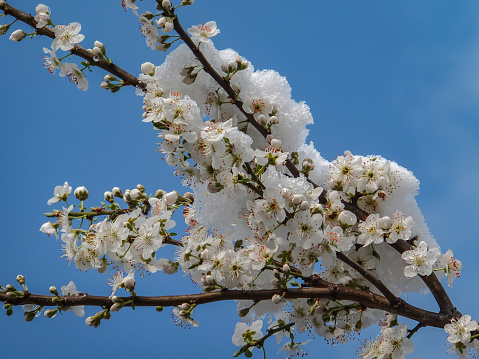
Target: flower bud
[
  {"x": 92, "y": 322},
  {"x": 96, "y": 51},
  {"x": 171, "y": 197},
  {"x": 53, "y": 290},
  {"x": 10, "y": 288},
  {"x": 286, "y": 269},
  {"x": 163, "y": 47},
  {"x": 104, "y": 85},
  {"x": 20, "y": 279},
  {"x": 269, "y": 138},
  {"x": 210, "y": 279},
  {"x": 117, "y": 192},
  {"x": 18, "y": 35},
  {"x": 262, "y": 120},
  {"x": 148, "y": 68},
  {"x": 129, "y": 283},
  {"x": 108, "y": 196},
  {"x": 126, "y": 197},
  {"x": 135, "y": 194},
  {"x": 384, "y": 222},
  {"x": 109, "y": 78},
  {"x": 166, "y": 4},
  {"x": 304, "y": 206},
  {"x": 170, "y": 267},
  {"x": 187, "y": 2},
  {"x": 81, "y": 193},
  {"x": 297, "y": 199},
  {"x": 273, "y": 120},
  {"x": 4, "y": 29},
  {"x": 98, "y": 44},
  {"x": 224, "y": 67},
  {"x": 286, "y": 193},
  {"x": 276, "y": 299},
  {"x": 140, "y": 188},
  {"x": 116, "y": 307},
  {"x": 347, "y": 218}
]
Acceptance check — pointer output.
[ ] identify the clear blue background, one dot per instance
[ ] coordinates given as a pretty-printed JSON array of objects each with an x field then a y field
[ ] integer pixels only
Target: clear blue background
[{"x": 396, "y": 78}]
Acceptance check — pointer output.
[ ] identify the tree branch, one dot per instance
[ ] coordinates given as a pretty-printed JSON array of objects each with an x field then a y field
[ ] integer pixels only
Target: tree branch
[
  {"x": 331, "y": 291},
  {"x": 115, "y": 70}
]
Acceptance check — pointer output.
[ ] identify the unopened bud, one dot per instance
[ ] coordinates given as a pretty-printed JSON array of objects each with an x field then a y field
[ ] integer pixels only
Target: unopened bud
[
  {"x": 104, "y": 85},
  {"x": 304, "y": 206},
  {"x": 297, "y": 199},
  {"x": 171, "y": 197},
  {"x": 140, "y": 188},
  {"x": 135, "y": 194},
  {"x": 20, "y": 279},
  {"x": 81, "y": 193},
  {"x": 273, "y": 120},
  {"x": 53, "y": 290},
  {"x": 347, "y": 218},
  {"x": 109, "y": 78},
  {"x": 98, "y": 44},
  {"x": 4, "y": 29},
  {"x": 286, "y": 193},
  {"x": 116, "y": 307},
  {"x": 148, "y": 68},
  {"x": 108, "y": 196},
  {"x": 18, "y": 35},
  {"x": 187, "y": 2},
  {"x": 276, "y": 299},
  {"x": 262, "y": 120},
  {"x": 286, "y": 269},
  {"x": 96, "y": 51},
  {"x": 117, "y": 192},
  {"x": 129, "y": 283},
  {"x": 166, "y": 4}
]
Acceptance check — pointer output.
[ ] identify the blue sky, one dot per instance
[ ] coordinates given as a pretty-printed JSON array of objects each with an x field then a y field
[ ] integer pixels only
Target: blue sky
[{"x": 396, "y": 78}]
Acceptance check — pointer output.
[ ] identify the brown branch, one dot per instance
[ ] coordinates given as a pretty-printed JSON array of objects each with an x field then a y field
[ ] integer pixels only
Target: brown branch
[
  {"x": 373, "y": 280},
  {"x": 28, "y": 19},
  {"x": 334, "y": 292}
]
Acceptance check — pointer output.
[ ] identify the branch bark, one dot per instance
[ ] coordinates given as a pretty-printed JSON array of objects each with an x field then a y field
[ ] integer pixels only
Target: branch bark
[{"x": 330, "y": 291}]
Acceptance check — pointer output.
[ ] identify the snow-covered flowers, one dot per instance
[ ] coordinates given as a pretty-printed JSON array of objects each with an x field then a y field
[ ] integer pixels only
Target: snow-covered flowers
[
  {"x": 204, "y": 32},
  {"x": 66, "y": 36},
  {"x": 419, "y": 260}
]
